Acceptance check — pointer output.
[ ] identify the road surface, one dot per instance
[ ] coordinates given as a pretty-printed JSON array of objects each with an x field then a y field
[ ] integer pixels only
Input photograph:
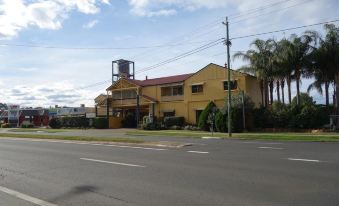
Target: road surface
[{"x": 211, "y": 172}]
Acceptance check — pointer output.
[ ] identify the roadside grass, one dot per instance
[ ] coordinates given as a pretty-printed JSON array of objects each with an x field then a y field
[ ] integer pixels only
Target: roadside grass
[
  {"x": 39, "y": 130},
  {"x": 76, "y": 138},
  {"x": 322, "y": 137}
]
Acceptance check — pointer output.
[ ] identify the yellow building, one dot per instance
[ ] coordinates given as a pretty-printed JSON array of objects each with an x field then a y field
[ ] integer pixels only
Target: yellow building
[{"x": 181, "y": 95}]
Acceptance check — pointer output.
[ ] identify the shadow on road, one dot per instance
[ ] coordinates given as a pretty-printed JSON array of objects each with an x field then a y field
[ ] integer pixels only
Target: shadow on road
[{"x": 75, "y": 191}]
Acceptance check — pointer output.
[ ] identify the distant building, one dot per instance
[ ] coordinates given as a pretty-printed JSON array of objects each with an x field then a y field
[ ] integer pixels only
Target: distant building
[
  {"x": 35, "y": 117},
  {"x": 81, "y": 111}
]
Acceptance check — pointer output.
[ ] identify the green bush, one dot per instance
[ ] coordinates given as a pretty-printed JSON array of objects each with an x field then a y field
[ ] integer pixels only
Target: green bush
[
  {"x": 174, "y": 121},
  {"x": 203, "y": 118},
  {"x": 55, "y": 123},
  {"x": 237, "y": 111},
  {"x": 305, "y": 99},
  {"x": 221, "y": 122},
  {"x": 152, "y": 126},
  {"x": 100, "y": 123},
  {"x": 27, "y": 126}
]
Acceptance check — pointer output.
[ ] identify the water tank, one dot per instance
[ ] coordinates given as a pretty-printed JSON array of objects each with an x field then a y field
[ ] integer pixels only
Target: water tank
[{"x": 123, "y": 66}]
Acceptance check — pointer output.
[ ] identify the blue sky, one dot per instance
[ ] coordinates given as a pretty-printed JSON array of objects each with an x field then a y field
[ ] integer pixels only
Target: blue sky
[{"x": 44, "y": 77}]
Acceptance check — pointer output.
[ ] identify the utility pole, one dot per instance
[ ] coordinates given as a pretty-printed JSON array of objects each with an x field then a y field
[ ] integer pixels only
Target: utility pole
[{"x": 228, "y": 44}]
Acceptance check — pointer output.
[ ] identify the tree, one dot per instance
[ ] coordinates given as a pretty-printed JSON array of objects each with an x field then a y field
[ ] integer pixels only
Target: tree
[
  {"x": 296, "y": 55},
  {"x": 203, "y": 118},
  {"x": 260, "y": 64}
]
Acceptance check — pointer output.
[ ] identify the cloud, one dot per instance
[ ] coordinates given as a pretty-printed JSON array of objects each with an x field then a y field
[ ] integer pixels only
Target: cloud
[
  {"x": 90, "y": 24},
  {"x": 165, "y": 7},
  {"x": 16, "y": 15}
]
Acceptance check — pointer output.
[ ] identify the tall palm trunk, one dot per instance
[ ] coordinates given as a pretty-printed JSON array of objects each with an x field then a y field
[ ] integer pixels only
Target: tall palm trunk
[
  {"x": 327, "y": 85},
  {"x": 337, "y": 93},
  {"x": 271, "y": 91},
  {"x": 266, "y": 92},
  {"x": 282, "y": 84},
  {"x": 261, "y": 83},
  {"x": 297, "y": 79},
  {"x": 278, "y": 90},
  {"x": 289, "y": 90}
]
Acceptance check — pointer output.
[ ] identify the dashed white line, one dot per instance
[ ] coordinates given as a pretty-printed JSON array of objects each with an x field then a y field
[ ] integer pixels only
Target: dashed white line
[
  {"x": 304, "y": 160},
  {"x": 86, "y": 143},
  {"x": 278, "y": 148},
  {"x": 115, "y": 163},
  {"x": 25, "y": 197},
  {"x": 199, "y": 152}
]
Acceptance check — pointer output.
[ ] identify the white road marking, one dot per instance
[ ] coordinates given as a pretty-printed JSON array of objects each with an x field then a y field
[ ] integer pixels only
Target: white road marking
[
  {"x": 270, "y": 148},
  {"x": 115, "y": 163},
  {"x": 25, "y": 197},
  {"x": 85, "y": 143},
  {"x": 305, "y": 160},
  {"x": 267, "y": 143},
  {"x": 134, "y": 147},
  {"x": 199, "y": 152},
  {"x": 210, "y": 137}
]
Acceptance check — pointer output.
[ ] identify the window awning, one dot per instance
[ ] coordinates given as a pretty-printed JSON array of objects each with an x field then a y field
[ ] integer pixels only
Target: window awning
[
  {"x": 167, "y": 110},
  {"x": 172, "y": 85},
  {"x": 198, "y": 83}
]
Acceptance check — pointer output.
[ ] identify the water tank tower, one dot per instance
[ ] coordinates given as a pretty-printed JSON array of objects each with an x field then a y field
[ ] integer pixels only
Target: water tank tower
[{"x": 122, "y": 68}]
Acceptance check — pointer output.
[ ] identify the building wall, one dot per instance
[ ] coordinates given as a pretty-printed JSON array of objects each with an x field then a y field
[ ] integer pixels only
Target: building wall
[{"x": 212, "y": 78}]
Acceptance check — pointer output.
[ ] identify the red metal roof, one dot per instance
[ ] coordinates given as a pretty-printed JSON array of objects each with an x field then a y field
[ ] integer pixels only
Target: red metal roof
[{"x": 161, "y": 80}]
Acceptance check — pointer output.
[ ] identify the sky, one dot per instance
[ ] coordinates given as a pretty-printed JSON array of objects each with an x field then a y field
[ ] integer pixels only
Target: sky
[{"x": 59, "y": 52}]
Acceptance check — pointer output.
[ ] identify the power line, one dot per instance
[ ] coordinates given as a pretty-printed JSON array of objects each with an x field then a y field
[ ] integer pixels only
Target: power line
[
  {"x": 273, "y": 11},
  {"x": 201, "y": 48},
  {"x": 282, "y": 30},
  {"x": 98, "y": 48},
  {"x": 257, "y": 9}
]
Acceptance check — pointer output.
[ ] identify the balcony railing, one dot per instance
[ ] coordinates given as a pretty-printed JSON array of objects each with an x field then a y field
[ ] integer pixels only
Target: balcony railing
[{"x": 172, "y": 98}]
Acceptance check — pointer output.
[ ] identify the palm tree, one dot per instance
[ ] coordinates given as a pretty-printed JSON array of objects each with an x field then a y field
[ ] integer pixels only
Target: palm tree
[
  {"x": 296, "y": 55},
  {"x": 321, "y": 71},
  {"x": 331, "y": 45},
  {"x": 259, "y": 59},
  {"x": 283, "y": 66}
]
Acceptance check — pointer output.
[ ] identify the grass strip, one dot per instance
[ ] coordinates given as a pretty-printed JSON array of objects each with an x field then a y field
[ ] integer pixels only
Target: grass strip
[
  {"x": 328, "y": 137},
  {"x": 40, "y": 130},
  {"x": 76, "y": 138}
]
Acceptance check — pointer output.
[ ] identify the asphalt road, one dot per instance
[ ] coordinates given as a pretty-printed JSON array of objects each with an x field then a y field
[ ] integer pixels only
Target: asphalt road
[{"x": 211, "y": 172}]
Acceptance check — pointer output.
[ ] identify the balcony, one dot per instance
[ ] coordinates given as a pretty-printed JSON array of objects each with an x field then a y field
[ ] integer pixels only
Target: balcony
[
  {"x": 124, "y": 102},
  {"x": 172, "y": 98}
]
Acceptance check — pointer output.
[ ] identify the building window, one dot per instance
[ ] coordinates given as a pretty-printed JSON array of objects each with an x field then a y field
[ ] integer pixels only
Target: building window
[
  {"x": 172, "y": 91},
  {"x": 126, "y": 94},
  {"x": 177, "y": 90},
  {"x": 234, "y": 85},
  {"x": 197, "y": 89}
]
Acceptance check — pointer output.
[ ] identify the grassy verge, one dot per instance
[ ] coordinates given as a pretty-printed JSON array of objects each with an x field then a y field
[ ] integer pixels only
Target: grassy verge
[
  {"x": 77, "y": 138},
  {"x": 40, "y": 130},
  {"x": 247, "y": 136}
]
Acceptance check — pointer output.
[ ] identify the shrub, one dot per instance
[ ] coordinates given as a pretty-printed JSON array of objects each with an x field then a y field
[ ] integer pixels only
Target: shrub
[
  {"x": 220, "y": 122},
  {"x": 237, "y": 111},
  {"x": 203, "y": 118},
  {"x": 305, "y": 99},
  {"x": 55, "y": 123},
  {"x": 129, "y": 121},
  {"x": 100, "y": 123},
  {"x": 152, "y": 126},
  {"x": 174, "y": 121},
  {"x": 27, "y": 126}
]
